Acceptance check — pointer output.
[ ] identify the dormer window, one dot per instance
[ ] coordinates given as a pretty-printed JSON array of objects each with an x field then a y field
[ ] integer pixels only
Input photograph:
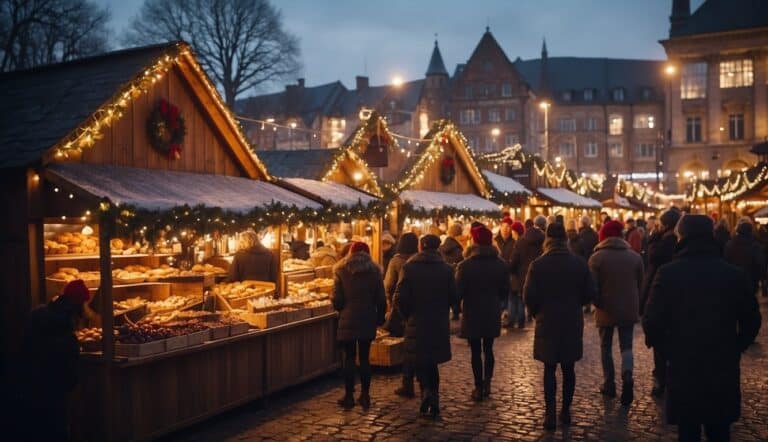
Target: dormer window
[
  {"x": 588, "y": 94},
  {"x": 618, "y": 94}
]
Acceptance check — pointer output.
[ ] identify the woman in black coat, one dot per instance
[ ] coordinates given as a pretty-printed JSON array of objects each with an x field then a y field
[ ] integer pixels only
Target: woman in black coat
[
  {"x": 358, "y": 295},
  {"x": 424, "y": 295},
  {"x": 558, "y": 285},
  {"x": 482, "y": 282}
]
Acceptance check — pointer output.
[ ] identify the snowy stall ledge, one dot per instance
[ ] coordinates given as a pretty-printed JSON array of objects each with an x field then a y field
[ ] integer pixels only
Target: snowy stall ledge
[{"x": 505, "y": 184}]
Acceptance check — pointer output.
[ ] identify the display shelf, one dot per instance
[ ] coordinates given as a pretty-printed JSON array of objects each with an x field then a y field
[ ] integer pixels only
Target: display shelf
[
  {"x": 70, "y": 257},
  {"x": 137, "y": 284}
]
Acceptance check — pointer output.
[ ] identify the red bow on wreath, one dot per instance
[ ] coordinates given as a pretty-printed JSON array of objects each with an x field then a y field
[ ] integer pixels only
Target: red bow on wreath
[{"x": 448, "y": 162}]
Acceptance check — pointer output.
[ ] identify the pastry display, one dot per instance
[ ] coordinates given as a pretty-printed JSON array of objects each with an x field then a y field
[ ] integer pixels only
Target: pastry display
[
  {"x": 66, "y": 274},
  {"x": 71, "y": 243},
  {"x": 121, "y": 307},
  {"x": 319, "y": 284},
  {"x": 292, "y": 265},
  {"x": 293, "y": 301},
  {"x": 244, "y": 289}
]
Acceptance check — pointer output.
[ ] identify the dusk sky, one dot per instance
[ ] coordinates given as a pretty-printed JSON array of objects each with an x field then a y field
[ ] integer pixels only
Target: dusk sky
[{"x": 340, "y": 38}]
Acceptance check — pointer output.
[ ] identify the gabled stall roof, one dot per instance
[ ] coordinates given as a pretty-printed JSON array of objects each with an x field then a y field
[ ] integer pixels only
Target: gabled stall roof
[
  {"x": 502, "y": 183},
  {"x": 163, "y": 190},
  {"x": 427, "y": 200},
  {"x": 335, "y": 193},
  {"x": 564, "y": 197}
]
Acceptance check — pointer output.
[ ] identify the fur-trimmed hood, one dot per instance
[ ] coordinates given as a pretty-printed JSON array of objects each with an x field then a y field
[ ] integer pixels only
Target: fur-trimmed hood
[{"x": 357, "y": 263}]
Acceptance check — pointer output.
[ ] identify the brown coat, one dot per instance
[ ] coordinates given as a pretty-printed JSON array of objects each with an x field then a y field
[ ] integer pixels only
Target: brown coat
[
  {"x": 482, "y": 283},
  {"x": 358, "y": 295},
  {"x": 395, "y": 324},
  {"x": 256, "y": 263},
  {"x": 557, "y": 286},
  {"x": 618, "y": 274},
  {"x": 451, "y": 250},
  {"x": 526, "y": 250}
]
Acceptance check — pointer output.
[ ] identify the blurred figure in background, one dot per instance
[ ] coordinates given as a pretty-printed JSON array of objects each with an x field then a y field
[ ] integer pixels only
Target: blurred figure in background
[
  {"x": 722, "y": 234},
  {"x": 745, "y": 252}
]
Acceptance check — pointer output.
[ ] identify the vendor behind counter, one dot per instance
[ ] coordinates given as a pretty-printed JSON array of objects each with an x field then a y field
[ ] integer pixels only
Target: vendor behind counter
[{"x": 253, "y": 261}]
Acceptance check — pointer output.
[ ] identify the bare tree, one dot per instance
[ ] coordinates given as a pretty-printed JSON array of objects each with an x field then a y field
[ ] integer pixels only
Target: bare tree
[
  {"x": 241, "y": 43},
  {"x": 34, "y": 32}
]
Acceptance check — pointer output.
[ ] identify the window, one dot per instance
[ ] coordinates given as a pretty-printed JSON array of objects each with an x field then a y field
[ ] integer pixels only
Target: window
[
  {"x": 590, "y": 149},
  {"x": 588, "y": 94},
  {"x": 647, "y": 93},
  {"x": 468, "y": 91},
  {"x": 423, "y": 124},
  {"x": 509, "y": 114},
  {"x": 566, "y": 150},
  {"x": 566, "y": 95},
  {"x": 693, "y": 129},
  {"x": 566, "y": 125},
  {"x": 645, "y": 150},
  {"x": 736, "y": 73},
  {"x": 615, "y": 125},
  {"x": 615, "y": 150},
  {"x": 510, "y": 140},
  {"x": 506, "y": 89},
  {"x": 618, "y": 94},
  {"x": 591, "y": 123},
  {"x": 494, "y": 116},
  {"x": 472, "y": 140},
  {"x": 644, "y": 121},
  {"x": 736, "y": 126},
  {"x": 693, "y": 81},
  {"x": 490, "y": 144},
  {"x": 482, "y": 90},
  {"x": 469, "y": 116}
]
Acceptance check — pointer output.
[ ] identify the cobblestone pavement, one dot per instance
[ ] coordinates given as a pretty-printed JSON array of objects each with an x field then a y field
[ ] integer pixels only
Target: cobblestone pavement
[{"x": 514, "y": 412}]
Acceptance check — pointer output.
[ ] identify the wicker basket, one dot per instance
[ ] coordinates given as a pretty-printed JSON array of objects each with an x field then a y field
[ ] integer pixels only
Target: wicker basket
[{"x": 387, "y": 352}]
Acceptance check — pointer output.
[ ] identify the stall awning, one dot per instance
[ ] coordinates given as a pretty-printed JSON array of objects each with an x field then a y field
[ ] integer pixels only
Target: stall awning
[
  {"x": 426, "y": 200},
  {"x": 152, "y": 189},
  {"x": 565, "y": 197},
  {"x": 335, "y": 193},
  {"x": 505, "y": 184}
]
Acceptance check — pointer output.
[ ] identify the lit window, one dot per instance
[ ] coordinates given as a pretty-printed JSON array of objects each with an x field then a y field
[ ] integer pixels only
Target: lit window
[
  {"x": 566, "y": 95},
  {"x": 510, "y": 114},
  {"x": 337, "y": 126},
  {"x": 591, "y": 123},
  {"x": 736, "y": 73},
  {"x": 494, "y": 116},
  {"x": 590, "y": 149},
  {"x": 693, "y": 81},
  {"x": 506, "y": 89},
  {"x": 566, "y": 150},
  {"x": 566, "y": 124},
  {"x": 645, "y": 150},
  {"x": 618, "y": 94},
  {"x": 615, "y": 125},
  {"x": 736, "y": 126},
  {"x": 588, "y": 94},
  {"x": 693, "y": 129},
  {"x": 423, "y": 124},
  {"x": 615, "y": 150},
  {"x": 644, "y": 121},
  {"x": 510, "y": 140}
]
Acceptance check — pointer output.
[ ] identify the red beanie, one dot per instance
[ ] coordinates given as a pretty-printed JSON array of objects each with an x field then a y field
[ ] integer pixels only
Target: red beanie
[
  {"x": 482, "y": 236},
  {"x": 507, "y": 220},
  {"x": 518, "y": 227},
  {"x": 76, "y": 292},
  {"x": 359, "y": 246},
  {"x": 610, "y": 229}
]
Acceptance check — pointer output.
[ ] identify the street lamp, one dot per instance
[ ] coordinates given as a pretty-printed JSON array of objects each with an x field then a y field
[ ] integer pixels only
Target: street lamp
[
  {"x": 397, "y": 81},
  {"x": 544, "y": 105},
  {"x": 665, "y": 139},
  {"x": 495, "y": 132}
]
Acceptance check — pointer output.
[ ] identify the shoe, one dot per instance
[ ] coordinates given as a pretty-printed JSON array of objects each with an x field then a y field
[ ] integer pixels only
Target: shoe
[
  {"x": 347, "y": 401},
  {"x": 486, "y": 388},
  {"x": 627, "y": 385},
  {"x": 434, "y": 406},
  {"x": 364, "y": 400},
  {"x": 477, "y": 394},
  {"x": 658, "y": 389},
  {"x": 565, "y": 416},
  {"x": 550, "y": 423},
  {"x": 426, "y": 400},
  {"x": 608, "y": 389}
]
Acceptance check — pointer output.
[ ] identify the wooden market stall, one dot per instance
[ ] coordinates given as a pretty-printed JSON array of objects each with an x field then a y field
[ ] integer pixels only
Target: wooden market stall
[
  {"x": 509, "y": 193},
  {"x": 122, "y": 170},
  {"x": 559, "y": 201}
]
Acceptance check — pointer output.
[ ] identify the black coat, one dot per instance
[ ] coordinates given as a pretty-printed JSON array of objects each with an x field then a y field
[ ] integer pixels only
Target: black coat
[
  {"x": 424, "y": 295},
  {"x": 661, "y": 250},
  {"x": 505, "y": 246},
  {"x": 482, "y": 282},
  {"x": 395, "y": 324},
  {"x": 722, "y": 236},
  {"x": 451, "y": 251},
  {"x": 558, "y": 285},
  {"x": 257, "y": 263},
  {"x": 745, "y": 252},
  {"x": 587, "y": 240},
  {"x": 702, "y": 313},
  {"x": 526, "y": 250},
  {"x": 358, "y": 295}
]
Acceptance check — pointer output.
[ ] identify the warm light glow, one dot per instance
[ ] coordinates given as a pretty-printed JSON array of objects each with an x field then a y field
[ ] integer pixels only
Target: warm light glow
[
  {"x": 544, "y": 105},
  {"x": 397, "y": 81},
  {"x": 670, "y": 69},
  {"x": 270, "y": 120},
  {"x": 293, "y": 125},
  {"x": 558, "y": 159},
  {"x": 357, "y": 175},
  {"x": 87, "y": 230},
  {"x": 495, "y": 132}
]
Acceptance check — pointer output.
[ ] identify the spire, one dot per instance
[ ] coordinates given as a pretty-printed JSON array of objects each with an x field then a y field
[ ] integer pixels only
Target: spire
[
  {"x": 544, "y": 48},
  {"x": 436, "y": 65},
  {"x": 681, "y": 12},
  {"x": 544, "y": 73}
]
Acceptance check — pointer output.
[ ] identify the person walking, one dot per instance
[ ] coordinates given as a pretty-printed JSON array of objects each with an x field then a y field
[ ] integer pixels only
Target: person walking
[
  {"x": 745, "y": 252},
  {"x": 387, "y": 249},
  {"x": 557, "y": 286},
  {"x": 505, "y": 243},
  {"x": 702, "y": 310},
  {"x": 588, "y": 238},
  {"x": 661, "y": 250},
  {"x": 722, "y": 234},
  {"x": 424, "y": 295},
  {"x": 618, "y": 274},
  {"x": 527, "y": 249},
  {"x": 634, "y": 236},
  {"x": 358, "y": 295},
  {"x": 407, "y": 246},
  {"x": 573, "y": 237},
  {"x": 515, "y": 306},
  {"x": 453, "y": 253},
  {"x": 482, "y": 282}
]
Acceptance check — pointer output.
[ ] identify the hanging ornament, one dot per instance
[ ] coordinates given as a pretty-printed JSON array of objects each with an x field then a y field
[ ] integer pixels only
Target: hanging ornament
[
  {"x": 447, "y": 170},
  {"x": 166, "y": 129}
]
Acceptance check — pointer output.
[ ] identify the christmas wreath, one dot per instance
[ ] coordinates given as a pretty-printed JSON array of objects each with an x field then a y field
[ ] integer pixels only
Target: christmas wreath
[
  {"x": 166, "y": 129},
  {"x": 447, "y": 170}
]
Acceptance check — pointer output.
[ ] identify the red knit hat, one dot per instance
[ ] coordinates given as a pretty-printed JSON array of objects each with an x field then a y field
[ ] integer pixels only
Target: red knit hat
[
  {"x": 507, "y": 220},
  {"x": 76, "y": 292},
  {"x": 611, "y": 229},
  {"x": 359, "y": 246},
  {"x": 482, "y": 236},
  {"x": 518, "y": 227}
]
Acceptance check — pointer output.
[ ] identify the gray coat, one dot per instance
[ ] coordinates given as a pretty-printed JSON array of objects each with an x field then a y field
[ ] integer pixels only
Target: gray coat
[
  {"x": 358, "y": 295},
  {"x": 618, "y": 274}
]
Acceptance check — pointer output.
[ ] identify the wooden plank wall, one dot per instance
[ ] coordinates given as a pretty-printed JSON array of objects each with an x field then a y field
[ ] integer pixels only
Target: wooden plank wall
[
  {"x": 125, "y": 142},
  {"x": 462, "y": 182}
]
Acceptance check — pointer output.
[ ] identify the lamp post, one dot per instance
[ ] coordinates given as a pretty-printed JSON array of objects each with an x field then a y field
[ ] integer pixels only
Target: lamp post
[
  {"x": 544, "y": 105},
  {"x": 666, "y": 132},
  {"x": 495, "y": 132}
]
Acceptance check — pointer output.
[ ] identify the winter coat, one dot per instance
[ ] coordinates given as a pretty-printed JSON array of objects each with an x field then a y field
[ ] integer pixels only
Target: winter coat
[
  {"x": 635, "y": 239},
  {"x": 618, "y": 274},
  {"x": 588, "y": 239},
  {"x": 703, "y": 315},
  {"x": 256, "y": 263},
  {"x": 323, "y": 256},
  {"x": 299, "y": 249},
  {"x": 558, "y": 285},
  {"x": 722, "y": 236},
  {"x": 424, "y": 295},
  {"x": 451, "y": 251},
  {"x": 482, "y": 282},
  {"x": 395, "y": 324},
  {"x": 505, "y": 246},
  {"x": 526, "y": 250},
  {"x": 358, "y": 295},
  {"x": 573, "y": 242},
  {"x": 745, "y": 252},
  {"x": 661, "y": 250},
  {"x": 386, "y": 257}
]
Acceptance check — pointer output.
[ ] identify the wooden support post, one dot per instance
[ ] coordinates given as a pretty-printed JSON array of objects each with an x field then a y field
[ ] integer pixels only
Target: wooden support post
[
  {"x": 106, "y": 229},
  {"x": 280, "y": 290}
]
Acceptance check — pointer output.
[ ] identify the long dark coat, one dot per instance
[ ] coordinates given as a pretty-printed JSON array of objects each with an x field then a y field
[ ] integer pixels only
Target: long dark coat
[
  {"x": 587, "y": 240},
  {"x": 395, "y": 324},
  {"x": 702, "y": 313},
  {"x": 358, "y": 295},
  {"x": 745, "y": 252},
  {"x": 505, "y": 246},
  {"x": 451, "y": 251},
  {"x": 661, "y": 250},
  {"x": 618, "y": 274},
  {"x": 558, "y": 286},
  {"x": 256, "y": 263},
  {"x": 527, "y": 249},
  {"x": 424, "y": 294},
  {"x": 482, "y": 281}
]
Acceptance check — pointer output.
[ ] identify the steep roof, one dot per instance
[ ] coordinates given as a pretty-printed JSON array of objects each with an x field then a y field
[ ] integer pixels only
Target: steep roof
[
  {"x": 436, "y": 65},
  {"x": 40, "y": 106},
  {"x": 724, "y": 15},
  {"x": 309, "y": 163},
  {"x": 488, "y": 45},
  {"x": 299, "y": 101}
]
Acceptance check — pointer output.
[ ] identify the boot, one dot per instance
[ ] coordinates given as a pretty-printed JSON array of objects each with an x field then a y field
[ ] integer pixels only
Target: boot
[
  {"x": 608, "y": 389},
  {"x": 406, "y": 390},
  {"x": 486, "y": 388},
  {"x": 627, "y": 385},
  {"x": 477, "y": 394},
  {"x": 364, "y": 400},
  {"x": 550, "y": 418},
  {"x": 347, "y": 401},
  {"x": 565, "y": 416},
  {"x": 426, "y": 398},
  {"x": 434, "y": 407}
]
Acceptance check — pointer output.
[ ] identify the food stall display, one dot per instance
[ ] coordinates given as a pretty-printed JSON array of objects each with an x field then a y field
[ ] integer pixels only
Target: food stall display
[{"x": 560, "y": 201}]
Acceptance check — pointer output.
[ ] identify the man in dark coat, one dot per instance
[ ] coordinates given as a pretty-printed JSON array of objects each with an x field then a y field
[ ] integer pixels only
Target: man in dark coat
[
  {"x": 253, "y": 261},
  {"x": 661, "y": 250},
  {"x": 558, "y": 285},
  {"x": 424, "y": 295},
  {"x": 745, "y": 252},
  {"x": 358, "y": 295},
  {"x": 587, "y": 238},
  {"x": 49, "y": 366},
  {"x": 527, "y": 249},
  {"x": 702, "y": 310},
  {"x": 482, "y": 281},
  {"x": 722, "y": 233}
]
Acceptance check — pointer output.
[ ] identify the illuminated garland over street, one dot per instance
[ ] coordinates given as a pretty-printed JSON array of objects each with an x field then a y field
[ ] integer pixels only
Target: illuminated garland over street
[{"x": 733, "y": 186}]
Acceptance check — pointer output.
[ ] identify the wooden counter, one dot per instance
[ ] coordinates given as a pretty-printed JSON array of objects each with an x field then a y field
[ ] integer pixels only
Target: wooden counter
[{"x": 150, "y": 396}]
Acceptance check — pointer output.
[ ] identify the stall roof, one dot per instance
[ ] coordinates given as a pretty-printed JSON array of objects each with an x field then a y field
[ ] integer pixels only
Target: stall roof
[
  {"x": 566, "y": 197},
  {"x": 335, "y": 193},
  {"x": 424, "y": 199},
  {"x": 153, "y": 189},
  {"x": 302, "y": 163},
  {"x": 505, "y": 184}
]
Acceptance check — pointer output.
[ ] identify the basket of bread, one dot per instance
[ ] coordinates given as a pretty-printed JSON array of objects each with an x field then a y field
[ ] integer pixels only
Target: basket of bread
[
  {"x": 55, "y": 282},
  {"x": 74, "y": 243}
]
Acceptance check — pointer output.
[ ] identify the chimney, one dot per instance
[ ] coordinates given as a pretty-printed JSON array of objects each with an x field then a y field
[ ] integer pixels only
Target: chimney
[
  {"x": 681, "y": 11},
  {"x": 361, "y": 82},
  {"x": 300, "y": 82}
]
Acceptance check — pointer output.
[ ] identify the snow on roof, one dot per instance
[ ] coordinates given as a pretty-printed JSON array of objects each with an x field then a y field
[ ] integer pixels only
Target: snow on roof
[
  {"x": 424, "y": 199},
  {"x": 505, "y": 184},
  {"x": 154, "y": 189},
  {"x": 568, "y": 198},
  {"x": 336, "y": 193}
]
